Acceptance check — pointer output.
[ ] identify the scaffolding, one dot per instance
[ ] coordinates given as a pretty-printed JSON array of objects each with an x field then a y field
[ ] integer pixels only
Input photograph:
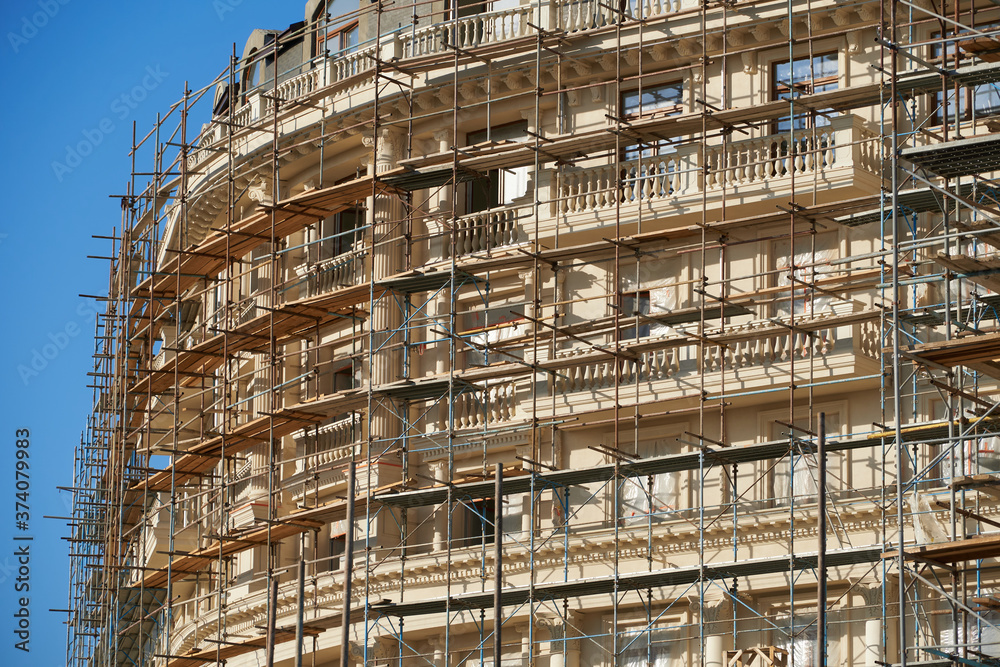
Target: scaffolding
[{"x": 554, "y": 333}]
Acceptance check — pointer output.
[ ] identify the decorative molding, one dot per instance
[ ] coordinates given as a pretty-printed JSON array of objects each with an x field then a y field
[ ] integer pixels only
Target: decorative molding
[
  {"x": 853, "y": 39},
  {"x": 260, "y": 192}
]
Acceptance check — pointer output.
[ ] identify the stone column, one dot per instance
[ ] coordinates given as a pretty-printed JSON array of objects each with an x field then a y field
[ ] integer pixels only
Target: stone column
[
  {"x": 525, "y": 500},
  {"x": 435, "y": 647},
  {"x": 439, "y": 471},
  {"x": 384, "y": 239},
  {"x": 564, "y": 651},
  {"x": 872, "y": 595},
  {"x": 524, "y": 630},
  {"x": 716, "y": 613}
]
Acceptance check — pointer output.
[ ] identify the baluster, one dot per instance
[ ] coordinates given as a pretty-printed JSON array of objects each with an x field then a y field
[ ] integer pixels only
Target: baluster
[
  {"x": 626, "y": 185},
  {"x": 467, "y": 227},
  {"x": 658, "y": 365},
  {"x": 647, "y": 182},
  {"x": 586, "y": 191}
]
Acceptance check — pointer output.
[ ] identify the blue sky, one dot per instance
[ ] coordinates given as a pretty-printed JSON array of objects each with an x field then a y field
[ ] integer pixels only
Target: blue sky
[{"x": 75, "y": 74}]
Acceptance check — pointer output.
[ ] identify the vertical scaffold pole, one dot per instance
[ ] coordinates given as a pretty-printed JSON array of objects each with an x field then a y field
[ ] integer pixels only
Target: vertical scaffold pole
[{"x": 345, "y": 623}]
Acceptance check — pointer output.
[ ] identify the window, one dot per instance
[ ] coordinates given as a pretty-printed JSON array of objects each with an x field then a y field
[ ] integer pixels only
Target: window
[
  {"x": 253, "y": 72},
  {"x": 338, "y": 33},
  {"x": 656, "y": 646},
  {"x": 477, "y": 526},
  {"x": 983, "y": 99},
  {"x": 809, "y": 263},
  {"x": 639, "y": 502},
  {"x": 331, "y": 376},
  {"x": 636, "y": 305},
  {"x": 488, "y": 328},
  {"x": 803, "y": 76},
  {"x": 798, "y": 637},
  {"x": 652, "y": 102},
  {"x": 982, "y": 636},
  {"x": 649, "y": 289},
  {"x": 645, "y": 649},
  {"x": 795, "y": 474},
  {"x": 260, "y": 262},
  {"x": 501, "y": 186},
  {"x": 336, "y": 235}
]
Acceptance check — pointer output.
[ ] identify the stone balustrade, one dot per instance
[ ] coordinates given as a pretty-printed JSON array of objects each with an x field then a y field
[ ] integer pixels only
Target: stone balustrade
[
  {"x": 468, "y": 32},
  {"x": 483, "y": 231},
  {"x": 596, "y": 375},
  {"x": 348, "y": 65},
  {"x": 577, "y": 15},
  {"x": 341, "y": 271},
  {"x": 844, "y": 143},
  {"x": 745, "y": 345},
  {"x": 328, "y": 445},
  {"x": 295, "y": 87},
  {"x": 495, "y": 403}
]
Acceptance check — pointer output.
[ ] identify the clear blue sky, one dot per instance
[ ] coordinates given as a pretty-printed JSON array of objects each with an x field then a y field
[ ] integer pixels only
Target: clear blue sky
[{"x": 64, "y": 67}]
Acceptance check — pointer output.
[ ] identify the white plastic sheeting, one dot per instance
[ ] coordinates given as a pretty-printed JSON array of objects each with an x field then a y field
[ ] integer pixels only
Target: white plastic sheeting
[
  {"x": 978, "y": 634},
  {"x": 798, "y": 637},
  {"x": 636, "y": 502},
  {"x": 804, "y": 301},
  {"x": 650, "y": 648},
  {"x": 659, "y": 278}
]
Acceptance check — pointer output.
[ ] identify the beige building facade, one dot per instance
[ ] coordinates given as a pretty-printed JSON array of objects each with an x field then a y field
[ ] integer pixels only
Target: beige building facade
[{"x": 427, "y": 300}]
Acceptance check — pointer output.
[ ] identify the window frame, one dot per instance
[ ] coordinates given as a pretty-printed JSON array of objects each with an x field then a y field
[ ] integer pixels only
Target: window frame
[
  {"x": 652, "y": 150},
  {"x": 965, "y": 97},
  {"x": 811, "y": 119},
  {"x": 493, "y": 184}
]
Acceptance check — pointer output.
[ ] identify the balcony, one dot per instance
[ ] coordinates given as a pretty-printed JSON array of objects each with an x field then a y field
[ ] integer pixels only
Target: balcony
[
  {"x": 834, "y": 156},
  {"x": 843, "y": 348},
  {"x": 321, "y": 454},
  {"x": 486, "y": 230},
  {"x": 468, "y": 33},
  {"x": 331, "y": 274}
]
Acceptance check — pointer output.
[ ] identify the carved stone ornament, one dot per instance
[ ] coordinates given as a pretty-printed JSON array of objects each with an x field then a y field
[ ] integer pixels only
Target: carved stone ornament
[{"x": 260, "y": 192}]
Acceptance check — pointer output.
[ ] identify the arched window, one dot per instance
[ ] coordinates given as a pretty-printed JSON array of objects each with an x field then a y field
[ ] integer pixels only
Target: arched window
[{"x": 253, "y": 70}]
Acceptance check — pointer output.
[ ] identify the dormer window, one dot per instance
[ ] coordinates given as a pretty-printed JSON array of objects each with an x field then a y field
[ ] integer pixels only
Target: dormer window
[{"x": 339, "y": 31}]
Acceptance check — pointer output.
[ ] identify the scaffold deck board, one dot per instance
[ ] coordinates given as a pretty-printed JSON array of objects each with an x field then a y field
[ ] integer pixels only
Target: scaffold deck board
[
  {"x": 938, "y": 430},
  {"x": 985, "y": 272},
  {"x": 986, "y": 48},
  {"x": 974, "y": 548},
  {"x": 678, "y": 576},
  {"x": 183, "y": 566},
  {"x": 203, "y": 457},
  {"x": 961, "y": 157},
  {"x": 919, "y": 200},
  {"x": 958, "y": 351}
]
